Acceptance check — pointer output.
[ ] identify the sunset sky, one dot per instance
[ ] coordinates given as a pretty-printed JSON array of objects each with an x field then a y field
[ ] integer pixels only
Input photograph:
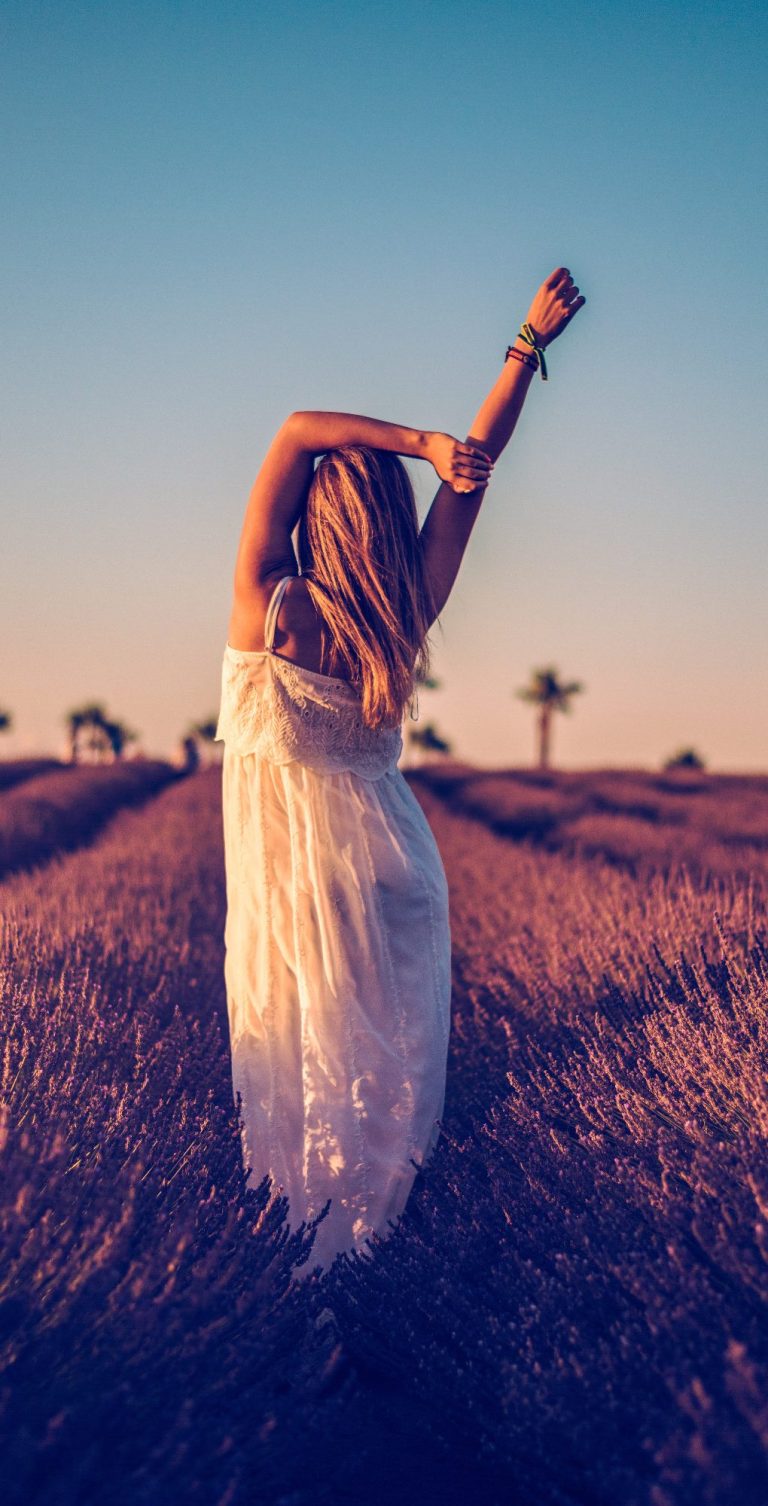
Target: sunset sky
[{"x": 217, "y": 213}]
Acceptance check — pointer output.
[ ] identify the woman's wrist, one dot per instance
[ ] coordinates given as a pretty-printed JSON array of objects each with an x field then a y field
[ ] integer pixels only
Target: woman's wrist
[
  {"x": 521, "y": 358},
  {"x": 519, "y": 343},
  {"x": 428, "y": 438},
  {"x": 415, "y": 443}
]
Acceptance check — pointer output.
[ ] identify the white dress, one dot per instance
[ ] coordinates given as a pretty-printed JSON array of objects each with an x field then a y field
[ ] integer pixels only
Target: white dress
[{"x": 337, "y": 947}]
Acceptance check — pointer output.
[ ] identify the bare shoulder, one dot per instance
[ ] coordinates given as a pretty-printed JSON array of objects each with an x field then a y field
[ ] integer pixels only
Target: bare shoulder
[
  {"x": 249, "y": 609},
  {"x": 300, "y": 631}
]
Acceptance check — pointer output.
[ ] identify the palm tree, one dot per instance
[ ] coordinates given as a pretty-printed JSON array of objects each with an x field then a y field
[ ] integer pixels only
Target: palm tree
[
  {"x": 85, "y": 732},
  {"x": 428, "y": 739},
  {"x": 205, "y": 730},
  {"x": 188, "y": 755},
  {"x": 119, "y": 735},
  {"x": 545, "y": 691},
  {"x": 92, "y": 732},
  {"x": 198, "y": 745}
]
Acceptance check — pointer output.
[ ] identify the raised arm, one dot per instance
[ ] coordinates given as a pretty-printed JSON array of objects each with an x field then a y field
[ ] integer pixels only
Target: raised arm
[
  {"x": 451, "y": 518},
  {"x": 280, "y": 490}
]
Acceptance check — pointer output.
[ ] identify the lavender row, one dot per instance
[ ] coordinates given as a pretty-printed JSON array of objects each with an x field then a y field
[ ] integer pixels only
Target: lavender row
[
  {"x": 711, "y": 823},
  {"x": 61, "y": 809},
  {"x": 14, "y": 771}
]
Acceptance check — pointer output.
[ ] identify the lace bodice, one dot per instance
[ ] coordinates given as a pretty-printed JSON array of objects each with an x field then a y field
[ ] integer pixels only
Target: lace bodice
[{"x": 286, "y": 713}]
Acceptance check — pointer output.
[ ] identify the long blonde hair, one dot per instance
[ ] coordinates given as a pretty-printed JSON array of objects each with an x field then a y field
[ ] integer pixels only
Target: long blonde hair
[{"x": 359, "y": 552}]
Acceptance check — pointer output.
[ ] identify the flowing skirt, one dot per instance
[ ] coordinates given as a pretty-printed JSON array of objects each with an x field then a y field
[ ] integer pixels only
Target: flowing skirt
[{"x": 338, "y": 989}]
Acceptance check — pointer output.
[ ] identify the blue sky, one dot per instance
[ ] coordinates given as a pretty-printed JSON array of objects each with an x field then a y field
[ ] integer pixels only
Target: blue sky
[{"x": 215, "y": 214}]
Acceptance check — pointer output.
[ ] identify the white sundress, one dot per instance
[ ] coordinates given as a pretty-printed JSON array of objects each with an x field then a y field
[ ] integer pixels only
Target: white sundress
[{"x": 337, "y": 937}]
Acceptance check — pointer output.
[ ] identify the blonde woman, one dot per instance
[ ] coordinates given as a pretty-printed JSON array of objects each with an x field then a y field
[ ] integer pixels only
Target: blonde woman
[{"x": 337, "y": 934}]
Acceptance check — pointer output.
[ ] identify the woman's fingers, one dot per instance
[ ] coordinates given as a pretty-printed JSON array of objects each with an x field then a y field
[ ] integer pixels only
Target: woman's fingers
[
  {"x": 471, "y": 457},
  {"x": 468, "y": 468},
  {"x": 472, "y": 449},
  {"x": 468, "y": 455},
  {"x": 471, "y": 465},
  {"x": 572, "y": 307},
  {"x": 465, "y": 473},
  {"x": 464, "y": 467},
  {"x": 555, "y": 304},
  {"x": 462, "y": 483}
]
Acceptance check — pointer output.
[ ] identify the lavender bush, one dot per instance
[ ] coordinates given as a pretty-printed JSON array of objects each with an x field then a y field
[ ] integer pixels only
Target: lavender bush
[
  {"x": 16, "y": 770},
  {"x": 572, "y": 1309},
  {"x": 713, "y": 823},
  {"x": 61, "y": 809}
]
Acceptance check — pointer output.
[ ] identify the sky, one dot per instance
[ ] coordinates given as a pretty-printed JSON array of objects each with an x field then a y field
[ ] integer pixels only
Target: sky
[{"x": 215, "y": 214}]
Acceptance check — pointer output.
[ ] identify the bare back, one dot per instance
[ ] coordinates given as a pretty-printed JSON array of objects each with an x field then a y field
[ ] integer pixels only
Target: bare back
[{"x": 300, "y": 632}]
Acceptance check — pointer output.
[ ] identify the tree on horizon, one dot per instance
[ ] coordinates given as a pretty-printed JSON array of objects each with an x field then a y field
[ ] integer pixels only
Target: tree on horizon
[
  {"x": 685, "y": 758},
  {"x": 90, "y": 729},
  {"x": 428, "y": 739},
  {"x": 545, "y": 691},
  {"x": 205, "y": 729},
  {"x": 198, "y": 736}
]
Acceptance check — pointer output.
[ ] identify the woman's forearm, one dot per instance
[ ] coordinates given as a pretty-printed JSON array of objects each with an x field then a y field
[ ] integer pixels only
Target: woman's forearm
[
  {"x": 494, "y": 424},
  {"x": 318, "y": 432}
]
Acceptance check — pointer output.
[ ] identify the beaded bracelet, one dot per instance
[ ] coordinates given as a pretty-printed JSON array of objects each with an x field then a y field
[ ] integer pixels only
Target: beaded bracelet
[
  {"x": 527, "y": 334},
  {"x": 521, "y": 355}
]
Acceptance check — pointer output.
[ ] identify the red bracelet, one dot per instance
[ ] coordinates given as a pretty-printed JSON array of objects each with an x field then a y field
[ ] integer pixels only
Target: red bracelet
[{"x": 522, "y": 355}]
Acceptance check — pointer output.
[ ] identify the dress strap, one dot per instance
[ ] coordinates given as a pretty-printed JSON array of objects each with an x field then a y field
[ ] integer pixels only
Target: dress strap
[{"x": 270, "y": 622}]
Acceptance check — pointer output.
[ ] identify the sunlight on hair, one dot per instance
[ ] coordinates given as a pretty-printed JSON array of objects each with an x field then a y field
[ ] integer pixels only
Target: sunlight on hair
[{"x": 360, "y": 553}]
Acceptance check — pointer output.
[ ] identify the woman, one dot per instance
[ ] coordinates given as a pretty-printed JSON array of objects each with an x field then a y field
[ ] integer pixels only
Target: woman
[{"x": 337, "y": 932}]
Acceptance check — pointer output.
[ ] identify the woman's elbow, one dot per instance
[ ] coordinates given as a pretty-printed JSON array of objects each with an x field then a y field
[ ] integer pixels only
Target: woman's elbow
[
  {"x": 300, "y": 419},
  {"x": 297, "y": 428}
]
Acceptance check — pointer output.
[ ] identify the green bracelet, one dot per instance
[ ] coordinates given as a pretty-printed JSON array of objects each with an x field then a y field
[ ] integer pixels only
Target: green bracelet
[{"x": 526, "y": 333}]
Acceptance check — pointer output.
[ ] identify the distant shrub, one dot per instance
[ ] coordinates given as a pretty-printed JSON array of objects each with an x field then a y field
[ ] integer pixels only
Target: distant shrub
[{"x": 685, "y": 758}]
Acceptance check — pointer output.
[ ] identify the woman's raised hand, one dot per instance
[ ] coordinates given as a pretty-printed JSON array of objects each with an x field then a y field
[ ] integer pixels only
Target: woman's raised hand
[
  {"x": 463, "y": 466},
  {"x": 554, "y": 306}
]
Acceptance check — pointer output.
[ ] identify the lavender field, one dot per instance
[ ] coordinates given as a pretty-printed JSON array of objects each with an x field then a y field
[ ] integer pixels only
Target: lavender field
[
  {"x": 48, "y": 812},
  {"x": 572, "y": 1311}
]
